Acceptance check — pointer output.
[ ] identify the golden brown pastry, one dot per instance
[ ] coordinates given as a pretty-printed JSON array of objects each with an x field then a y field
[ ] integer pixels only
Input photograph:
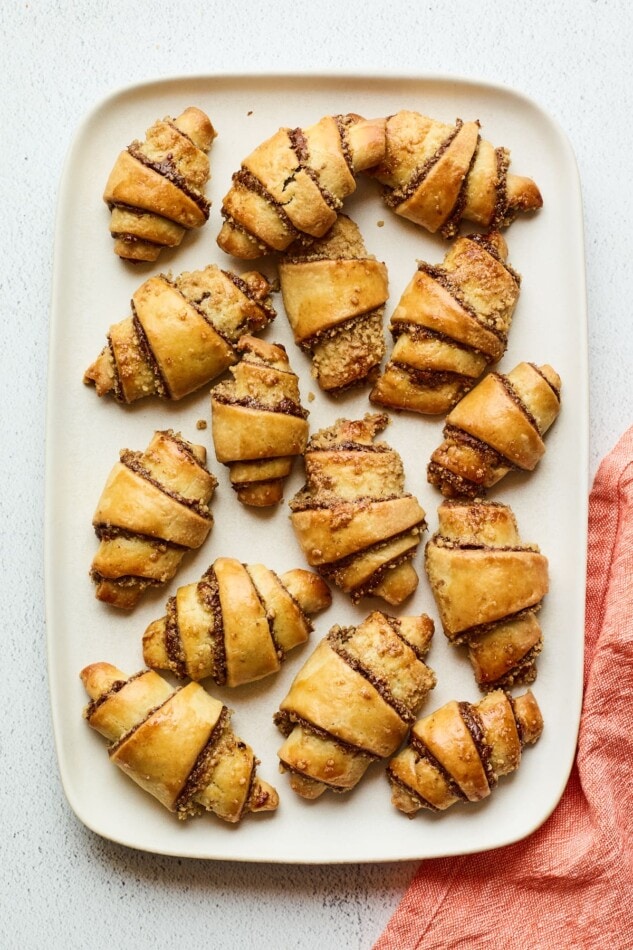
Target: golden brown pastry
[
  {"x": 155, "y": 190},
  {"x": 236, "y": 624},
  {"x": 177, "y": 744},
  {"x": 258, "y": 422},
  {"x": 451, "y": 322},
  {"x": 437, "y": 175},
  {"x": 353, "y": 701},
  {"x": 488, "y": 585},
  {"x": 498, "y": 426},
  {"x": 334, "y": 294},
  {"x": 459, "y": 752},
  {"x": 355, "y": 523},
  {"x": 181, "y": 335},
  {"x": 292, "y": 186},
  {"x": 153, "y": 509}
]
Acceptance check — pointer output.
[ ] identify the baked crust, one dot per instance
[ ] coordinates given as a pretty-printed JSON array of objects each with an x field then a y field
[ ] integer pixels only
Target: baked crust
[
  {"x": 488, "y": 586},
  {"x": 291, "y": 186},
  {"x": 460, "y": 751},
  {"x": 498, "y": 426},
  {"x": 182, "y": 334},
  {"x": 154, "y": 190},
  {"x": 334, "y": 296},
  {"x": 153, "y": 508},
  {"x": 177, "y": 744},
  {"x": 352, "y": 701},
  {"x": 451, "y": 322},
  {"x": 236, "y": 624},
  {"x": 353, "y": 519},
  {"x": 437, "y": 175},
  {"x": 258, "y": 422}
]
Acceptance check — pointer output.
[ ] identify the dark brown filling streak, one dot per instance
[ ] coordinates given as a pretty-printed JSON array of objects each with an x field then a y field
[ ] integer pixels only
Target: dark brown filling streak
[
  {"x": 148, "y": 355},
  {"x": 423, "y": 752},
  {"x": 500, "y": 216},
  {"x": 445, "y": 542},
  {"x": 451, "y": 226},
  {"x": 524, "y": 667},
  {"x": 126, "y": 580},
  {"x": 490, "y": 457},
  {"x": 270, "y": 620},
  {"x": 197, "y": 779},
  {"x": 420, "y": 800},
  {"x": 348, "y": 446},
  {"x": 116, "y": 379},
  {"x": 377, "y": 577},
  {"x": 554, "y": 389},
  {"x": 248, "y": 292},
  {"x": 482, "y": 240},
  {"x": 399, "y": 195},
  {"x": 132, "y": 461},
  {"x": 109, "y": 532},
  {"x": 438, "y": 274},
  {"x": 171, "y": 123},
  {"x": 513, "y": 394},
  {"x": 433, "y": 379},
  {"x": 306, "y": 619},
  {"x": 249, "y": 182},
  {"x": 168, "y": 170},
  {"x": 441, "y": 477},
  {"x": 336, "y": 639},
  {"x": 94, "y": 704},
  {"x": 285, "y": 406},
  {"x": 196, "y": 302},
  {"x": 418, "y": 334},
  {"x": 148, "y": 715},
  {"x": 334, "y": 567},
  {"x": 473, "y": 723},
  {"x": 209, "y": 595},
  {"x": 343, "y": 124},
  {"x": 286, "y": 721},
  {"x": 132, "y": 239},
  {"x": 305, "y": 501},
  {"x": 299, "y": 145},
  {"x": 420, "y": 653},
  {"x": 330, "y": 333},
  {"x": 173, "y": 641}
]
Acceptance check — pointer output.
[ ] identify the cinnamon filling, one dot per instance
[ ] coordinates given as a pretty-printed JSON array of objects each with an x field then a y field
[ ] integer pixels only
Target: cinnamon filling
[
  {"x": 209, "y": 594},
  {"x": 168, "y": 170},
  {"x": 399, "y": 195}
]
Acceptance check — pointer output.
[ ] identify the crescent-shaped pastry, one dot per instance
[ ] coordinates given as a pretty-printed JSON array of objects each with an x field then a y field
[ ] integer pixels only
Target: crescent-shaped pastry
[
  {"x": 488, "y": 586},
  {"x": 154, "y": 508},
  {"x": 451, "y": 322},
  {"x": 236, "y": 624},
  {"x": 177, "y": 744},
  {"x": 181, "y": 335},
  {"x": 154, "y": 190},
  {"x": 353, "y": 701},
  {"x": 334, "y": 294},
  {"x": 355, "y": 523},
  {"x": 437, "y": 175},
  {"x": 498, "y": 426},
  {"x": 292, "y": 186},
  {"x": 258, "y": 423},
  {"x": 459, "y": 752}
]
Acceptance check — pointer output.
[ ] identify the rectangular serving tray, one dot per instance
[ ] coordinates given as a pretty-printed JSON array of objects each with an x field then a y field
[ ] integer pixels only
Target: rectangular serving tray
[{"x": 92, "y": 289}]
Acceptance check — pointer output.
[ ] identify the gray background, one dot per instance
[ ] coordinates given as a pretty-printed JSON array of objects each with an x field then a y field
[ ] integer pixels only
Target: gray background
[{"x": 61, "y": 885}]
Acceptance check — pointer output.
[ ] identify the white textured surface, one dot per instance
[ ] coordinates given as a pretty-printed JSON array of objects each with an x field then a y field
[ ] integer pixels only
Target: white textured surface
[{"x": 59, "y": 884}]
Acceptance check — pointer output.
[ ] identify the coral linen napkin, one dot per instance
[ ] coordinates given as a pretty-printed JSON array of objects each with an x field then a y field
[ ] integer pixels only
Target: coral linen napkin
[{"x": 570, "y": 884}]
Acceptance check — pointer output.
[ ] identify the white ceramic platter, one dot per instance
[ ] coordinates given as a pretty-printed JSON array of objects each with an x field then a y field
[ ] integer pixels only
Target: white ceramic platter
[{"x": 92, "y": 289}]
